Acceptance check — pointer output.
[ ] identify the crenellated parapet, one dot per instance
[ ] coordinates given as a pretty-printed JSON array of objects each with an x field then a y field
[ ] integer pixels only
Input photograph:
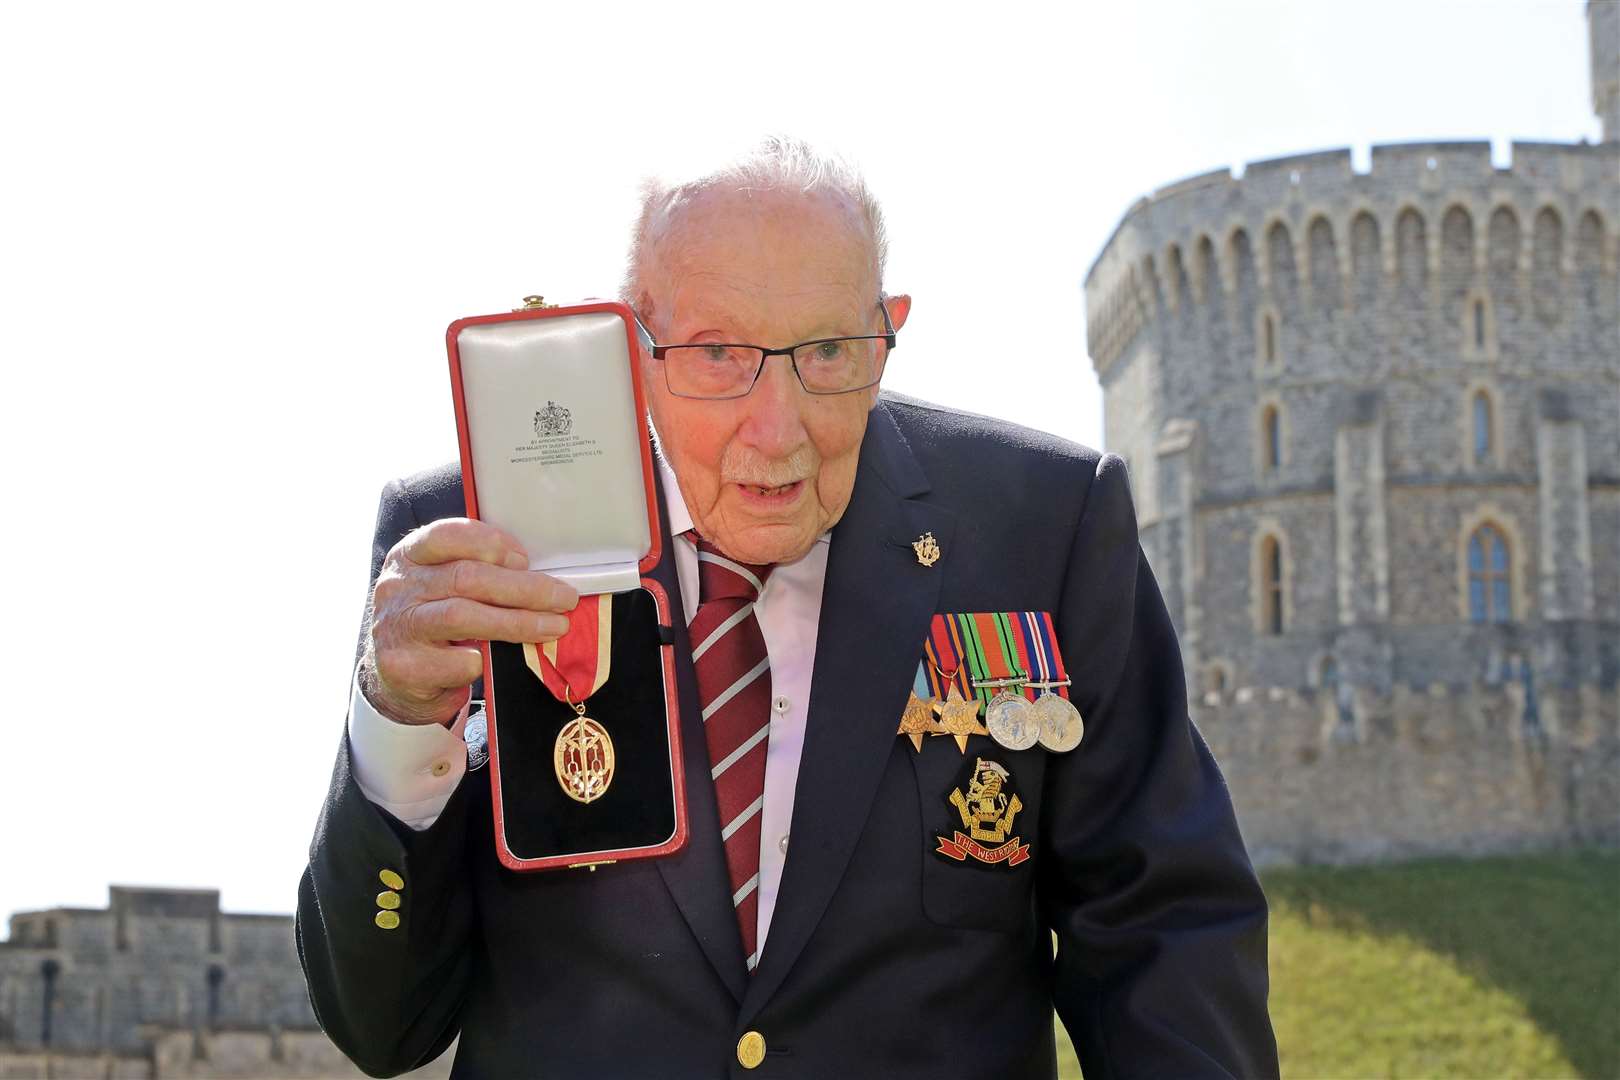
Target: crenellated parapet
[{"x": 1308, "y": 232}]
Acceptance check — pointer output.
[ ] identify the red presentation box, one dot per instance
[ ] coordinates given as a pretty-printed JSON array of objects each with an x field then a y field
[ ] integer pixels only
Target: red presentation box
[{"x": 551, "y": 418}]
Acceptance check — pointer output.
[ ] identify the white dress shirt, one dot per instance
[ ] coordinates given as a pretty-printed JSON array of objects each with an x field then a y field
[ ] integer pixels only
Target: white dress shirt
[{"x": 411, "y": 770}]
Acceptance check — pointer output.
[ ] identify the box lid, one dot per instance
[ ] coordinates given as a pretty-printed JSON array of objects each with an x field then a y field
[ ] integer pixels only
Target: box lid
[{"x": 552, "y": 423}]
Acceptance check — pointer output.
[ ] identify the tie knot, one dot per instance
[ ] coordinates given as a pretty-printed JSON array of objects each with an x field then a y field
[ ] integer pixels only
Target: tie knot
[{"x": 723, "y": 578}]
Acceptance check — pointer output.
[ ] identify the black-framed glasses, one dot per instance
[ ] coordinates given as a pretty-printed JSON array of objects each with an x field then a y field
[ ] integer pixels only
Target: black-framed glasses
[{"x": 719, "y": 370}]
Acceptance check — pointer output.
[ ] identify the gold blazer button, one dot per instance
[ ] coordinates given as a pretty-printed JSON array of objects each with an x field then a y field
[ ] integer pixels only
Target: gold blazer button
[
  {"x": 388, "y": 920},
  {"x": 391, "y": 879},
  {"x": 751, "y": 1050},
  {"x": 388, "y": 901}
]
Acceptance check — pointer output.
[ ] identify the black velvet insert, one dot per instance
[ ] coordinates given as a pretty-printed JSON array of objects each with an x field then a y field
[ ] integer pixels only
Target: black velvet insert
[{"x": 638, "y": 809}]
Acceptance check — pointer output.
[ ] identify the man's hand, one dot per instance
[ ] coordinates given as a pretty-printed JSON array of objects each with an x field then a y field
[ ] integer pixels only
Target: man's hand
[{"x": 442, "y": 589}]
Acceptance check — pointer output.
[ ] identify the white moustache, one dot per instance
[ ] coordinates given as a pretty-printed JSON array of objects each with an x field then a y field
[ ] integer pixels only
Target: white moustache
[{"x": 740, "y": 465}]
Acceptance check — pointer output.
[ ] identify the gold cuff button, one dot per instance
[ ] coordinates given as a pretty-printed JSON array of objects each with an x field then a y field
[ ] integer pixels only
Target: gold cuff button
[
  {"x": 388, "y": 901},
  {"x": 388, "y": 920},
  {"x": 751, "y": 1050},
  {"x": 391, "y": 879}
]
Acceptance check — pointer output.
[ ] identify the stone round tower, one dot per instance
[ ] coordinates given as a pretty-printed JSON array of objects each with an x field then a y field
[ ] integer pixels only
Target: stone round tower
[
  {"x": 1603, "y": 33},
  {"x": 1373, "y": 427}
]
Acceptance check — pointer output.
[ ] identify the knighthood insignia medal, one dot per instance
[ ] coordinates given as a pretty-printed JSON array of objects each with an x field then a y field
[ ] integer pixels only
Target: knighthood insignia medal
[
  {"x": 575, "y": 666},
  {"x": 988, "y": 808}
]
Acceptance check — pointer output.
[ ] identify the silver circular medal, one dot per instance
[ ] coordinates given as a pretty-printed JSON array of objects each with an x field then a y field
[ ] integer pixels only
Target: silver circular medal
[
  {"x": 1060, "y": 723},
  {"x": 1012, "y": 721}
]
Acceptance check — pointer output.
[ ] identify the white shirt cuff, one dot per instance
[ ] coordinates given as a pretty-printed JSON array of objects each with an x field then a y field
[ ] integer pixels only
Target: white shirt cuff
[{"x": 410, "y": 770}]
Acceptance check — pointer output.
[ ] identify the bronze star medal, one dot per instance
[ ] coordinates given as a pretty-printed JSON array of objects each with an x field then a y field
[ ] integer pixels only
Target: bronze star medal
[
  {"x": 959, "y": 716},
  {"x": 918, "y": 720}
]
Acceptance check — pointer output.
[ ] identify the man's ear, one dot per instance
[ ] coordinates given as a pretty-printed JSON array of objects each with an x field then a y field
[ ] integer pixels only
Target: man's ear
[{"x": 899, "y": 307}]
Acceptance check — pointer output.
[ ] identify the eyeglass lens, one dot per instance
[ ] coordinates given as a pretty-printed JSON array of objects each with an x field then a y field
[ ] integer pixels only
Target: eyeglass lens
[{"x": 824, "y": 367}]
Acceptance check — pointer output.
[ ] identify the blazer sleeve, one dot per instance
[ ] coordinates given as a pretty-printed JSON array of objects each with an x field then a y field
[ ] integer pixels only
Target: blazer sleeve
[
  {"x": 390, "y": 998},
  {"x": 1160, "y": 920}
]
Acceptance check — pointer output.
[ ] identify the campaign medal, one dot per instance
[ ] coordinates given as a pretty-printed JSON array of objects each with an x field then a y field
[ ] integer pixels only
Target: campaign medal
[
  {"x": 918, "y": 720},
  {"x": 577, "y": 664},
  {"x": 1011, "y": 720},
  {"x": 1055, "y": 716},
  {"x": 959, "y": 716},
  {"x": 946, "y": 677},
  {"x": 998, "y": 672},
  {"x": 1059, "y": 723},
  {"x": 988, "y": 808}
]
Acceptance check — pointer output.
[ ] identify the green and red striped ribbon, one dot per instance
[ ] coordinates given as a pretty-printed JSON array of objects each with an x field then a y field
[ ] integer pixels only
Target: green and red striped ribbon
[{"x": 988, "y": 645}]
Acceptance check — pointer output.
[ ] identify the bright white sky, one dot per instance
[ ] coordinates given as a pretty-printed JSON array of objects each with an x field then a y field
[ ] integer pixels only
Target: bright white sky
[{"x": 233, "y": 236}]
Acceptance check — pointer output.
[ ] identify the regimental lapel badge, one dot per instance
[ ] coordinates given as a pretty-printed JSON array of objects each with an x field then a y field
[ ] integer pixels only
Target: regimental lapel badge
[
  {"x": 927, "y": 549},
  {"x": 988, "y": 809}
]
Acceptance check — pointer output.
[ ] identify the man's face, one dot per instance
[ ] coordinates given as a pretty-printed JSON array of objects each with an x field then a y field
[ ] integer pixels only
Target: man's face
[{"x": 763, "y": 475}]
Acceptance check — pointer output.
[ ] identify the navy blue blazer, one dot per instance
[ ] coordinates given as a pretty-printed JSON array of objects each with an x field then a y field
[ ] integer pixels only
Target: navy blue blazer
[{"x": 1138, "y": 915}]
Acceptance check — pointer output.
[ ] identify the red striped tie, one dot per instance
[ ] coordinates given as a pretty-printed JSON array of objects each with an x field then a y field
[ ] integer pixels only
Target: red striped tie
[{"x": 734, "y": 688}]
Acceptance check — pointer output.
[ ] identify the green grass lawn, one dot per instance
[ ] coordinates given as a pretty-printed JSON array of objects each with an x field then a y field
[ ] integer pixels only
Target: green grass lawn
[{"x": 1503, "y": 967}]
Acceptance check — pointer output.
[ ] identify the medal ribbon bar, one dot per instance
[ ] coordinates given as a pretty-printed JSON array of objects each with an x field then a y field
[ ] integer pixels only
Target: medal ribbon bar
[{"x": 1038, "y": 650}]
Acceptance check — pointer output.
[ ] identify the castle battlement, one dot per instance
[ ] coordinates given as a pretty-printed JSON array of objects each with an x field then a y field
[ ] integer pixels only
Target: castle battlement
[
  {"x": 1293, "y": 223},
  {"x": 1372, "y": 422}
]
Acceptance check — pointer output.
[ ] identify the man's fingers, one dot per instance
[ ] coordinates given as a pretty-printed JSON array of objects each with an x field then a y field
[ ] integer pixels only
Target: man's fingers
[
  {"x": 429, "y": 671},
  {"x": 460, "y": 538},
  {"x": 456, "y": 617},
  {"x": 497, "y": 585}
]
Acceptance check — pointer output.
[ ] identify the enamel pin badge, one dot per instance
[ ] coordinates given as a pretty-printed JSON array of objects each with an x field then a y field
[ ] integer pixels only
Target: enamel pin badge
[{"x": 927, "y": 549}]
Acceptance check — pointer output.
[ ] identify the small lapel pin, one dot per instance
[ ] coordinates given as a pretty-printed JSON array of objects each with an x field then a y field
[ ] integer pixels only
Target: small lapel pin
[{"x": 927, "y": 549}]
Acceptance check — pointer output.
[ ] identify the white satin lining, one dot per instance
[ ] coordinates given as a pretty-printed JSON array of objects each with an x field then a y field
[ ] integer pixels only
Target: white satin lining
[{"x": 583, "y": 520}]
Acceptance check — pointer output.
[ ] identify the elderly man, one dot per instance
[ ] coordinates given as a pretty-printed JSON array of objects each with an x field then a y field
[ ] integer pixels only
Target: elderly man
[{"x": 815, "y": 924}]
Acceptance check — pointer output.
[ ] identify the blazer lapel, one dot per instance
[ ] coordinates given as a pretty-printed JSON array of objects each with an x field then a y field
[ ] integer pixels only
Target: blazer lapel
[
  {"x": 875, "y": 610},
  {"x": 696, "y": 876}
]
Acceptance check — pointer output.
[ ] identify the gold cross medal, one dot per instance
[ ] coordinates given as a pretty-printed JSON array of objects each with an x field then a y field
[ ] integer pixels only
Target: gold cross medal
[{"x": 578, "y": 663}]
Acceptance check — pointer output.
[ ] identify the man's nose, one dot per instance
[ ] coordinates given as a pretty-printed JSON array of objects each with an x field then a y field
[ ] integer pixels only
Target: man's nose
[{"x": 775, "y": 423}]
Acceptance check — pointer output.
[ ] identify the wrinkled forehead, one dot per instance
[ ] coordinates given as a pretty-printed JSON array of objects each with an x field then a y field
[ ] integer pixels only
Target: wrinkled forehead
[{"x": 762, "y": 243}]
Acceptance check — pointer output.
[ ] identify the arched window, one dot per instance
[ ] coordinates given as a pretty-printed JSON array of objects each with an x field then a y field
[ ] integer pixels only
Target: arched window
[
  {"x": 1268, "y": 343},
  {"x": 1489, "y": 591},
  {"x": 1271, "y": 585},
  {"x": 1484, "y": 429},
  {"x": 216, "y": 979},
  {"x": 48, "y": 971},
  {"x": 1547, "y": 257},
  {"x": 1271, "y": 436},
  {"x": 1208, "y": 280}
]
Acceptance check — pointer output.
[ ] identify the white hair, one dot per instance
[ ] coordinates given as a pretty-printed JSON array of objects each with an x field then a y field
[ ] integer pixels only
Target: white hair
[{"x": 776, "y": 163}]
